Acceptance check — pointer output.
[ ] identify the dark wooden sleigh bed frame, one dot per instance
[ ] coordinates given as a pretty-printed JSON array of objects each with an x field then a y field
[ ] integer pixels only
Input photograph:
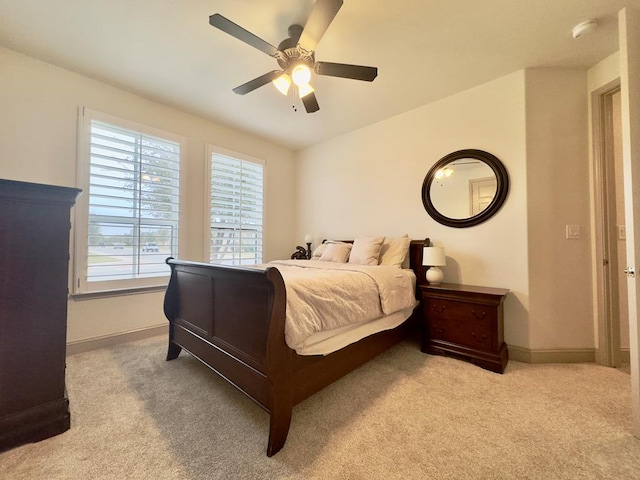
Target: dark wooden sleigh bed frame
[{"x": 233, "y": 319}]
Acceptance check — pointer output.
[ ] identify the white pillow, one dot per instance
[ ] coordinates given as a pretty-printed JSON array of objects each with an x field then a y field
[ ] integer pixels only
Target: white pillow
[
  {"x": 319, "y": 250},
  {"x": 317, "y": 253},
  {"x": 336, "y": 252},
  {"x": 394, "y": 251},
  {"x": 366, "y": 250}
]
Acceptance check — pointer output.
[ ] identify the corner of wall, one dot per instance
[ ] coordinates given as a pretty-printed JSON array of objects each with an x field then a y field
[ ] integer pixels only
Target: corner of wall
[{"x": 557, "y": 197}]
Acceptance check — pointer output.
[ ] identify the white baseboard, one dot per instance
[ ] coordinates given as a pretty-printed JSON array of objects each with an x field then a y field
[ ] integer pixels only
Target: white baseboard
[
  {"x": 518, "y": 354},
  {"x": 625, "y": 355},
  {"x": 81, "y": 346},
  {"x": 568, "y": 355}
]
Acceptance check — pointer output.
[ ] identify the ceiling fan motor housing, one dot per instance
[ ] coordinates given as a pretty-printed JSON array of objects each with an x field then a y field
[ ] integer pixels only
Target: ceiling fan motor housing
[{"x": 290, "y": 53}]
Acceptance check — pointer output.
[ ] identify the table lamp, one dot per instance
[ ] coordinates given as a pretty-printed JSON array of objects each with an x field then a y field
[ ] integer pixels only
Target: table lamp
[
  {"x": 308, "y": 239},
  {"x": 433, "y": 257}
]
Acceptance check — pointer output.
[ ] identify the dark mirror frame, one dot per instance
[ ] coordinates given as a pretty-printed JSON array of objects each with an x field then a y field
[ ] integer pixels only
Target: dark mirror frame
[{"x": 502, "y": 188}]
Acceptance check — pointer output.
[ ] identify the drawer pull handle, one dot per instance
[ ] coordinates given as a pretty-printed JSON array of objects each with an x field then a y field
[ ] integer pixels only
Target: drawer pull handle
[
  {"x": 438, "y": 308},
  {"x": 478, "y": 316},
  {"x": 438, "y": 329},
  {"x": 479, "y": 339}
]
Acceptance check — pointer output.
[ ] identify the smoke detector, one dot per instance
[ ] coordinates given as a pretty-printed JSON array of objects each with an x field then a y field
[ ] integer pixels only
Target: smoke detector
[{"x": 584, "y": 27}]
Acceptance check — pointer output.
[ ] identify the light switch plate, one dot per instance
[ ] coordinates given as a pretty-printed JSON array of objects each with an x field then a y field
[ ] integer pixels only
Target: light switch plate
[
  {"x": 622, "y": 232},
  {"x": 573, "y": 232}
]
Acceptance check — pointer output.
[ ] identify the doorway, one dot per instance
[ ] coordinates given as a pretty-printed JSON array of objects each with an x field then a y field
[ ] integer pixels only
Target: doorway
[
  {"x": 481, "y": 193},
  {"x": 613, "y": 317}
]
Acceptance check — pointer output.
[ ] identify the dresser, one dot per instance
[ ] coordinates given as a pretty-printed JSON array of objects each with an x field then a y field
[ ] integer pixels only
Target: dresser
[
  {"x": 34, "y": 258},
  {"x": 466, "y": 322}
]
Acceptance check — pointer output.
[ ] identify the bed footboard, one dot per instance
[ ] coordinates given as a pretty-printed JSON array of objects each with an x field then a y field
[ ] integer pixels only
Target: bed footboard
[{"x": 232, "y": 320}]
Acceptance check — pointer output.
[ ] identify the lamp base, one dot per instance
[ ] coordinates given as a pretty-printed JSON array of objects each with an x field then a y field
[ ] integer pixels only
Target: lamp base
[{"x": 434, "y": 275}]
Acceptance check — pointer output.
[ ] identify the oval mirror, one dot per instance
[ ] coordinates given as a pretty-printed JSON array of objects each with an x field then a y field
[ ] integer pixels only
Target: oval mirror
[{"x": 465, "y": 188}]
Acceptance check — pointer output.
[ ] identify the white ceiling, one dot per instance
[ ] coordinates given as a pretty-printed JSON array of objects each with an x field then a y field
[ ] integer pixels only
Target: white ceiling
[{"x": 425, "y": 50}]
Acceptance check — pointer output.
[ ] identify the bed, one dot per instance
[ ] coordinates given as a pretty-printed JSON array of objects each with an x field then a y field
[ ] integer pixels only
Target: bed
[{"x": 233, "y": 320}]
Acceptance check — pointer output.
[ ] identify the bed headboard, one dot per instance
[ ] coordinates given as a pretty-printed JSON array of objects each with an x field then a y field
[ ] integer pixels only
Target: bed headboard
[{"x": 415, "y": 258}]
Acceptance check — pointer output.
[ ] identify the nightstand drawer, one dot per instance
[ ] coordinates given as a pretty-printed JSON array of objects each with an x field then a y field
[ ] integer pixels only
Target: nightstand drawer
[
  {"x": 463, "y": 332},
  {"x": 465, "y": 321},
  {"x": 461, "y": 311}
]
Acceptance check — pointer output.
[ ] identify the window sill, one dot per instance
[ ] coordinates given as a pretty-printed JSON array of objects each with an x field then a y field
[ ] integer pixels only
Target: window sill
[{"x": 77, "y": 297}]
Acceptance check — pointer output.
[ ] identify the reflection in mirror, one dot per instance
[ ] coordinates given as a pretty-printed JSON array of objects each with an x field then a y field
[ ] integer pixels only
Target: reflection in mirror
[{"x": 465, "y": 188}]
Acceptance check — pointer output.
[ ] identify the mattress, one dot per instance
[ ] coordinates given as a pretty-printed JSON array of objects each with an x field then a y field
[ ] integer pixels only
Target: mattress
[
  {"x": 329, "y": 341},
  {"x": 331, "y": 305}
]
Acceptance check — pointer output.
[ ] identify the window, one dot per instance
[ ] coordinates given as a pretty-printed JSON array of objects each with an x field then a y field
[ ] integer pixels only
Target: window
[
  {"x": 235, "y": 226},
  {"x": 127, "y": 216}
]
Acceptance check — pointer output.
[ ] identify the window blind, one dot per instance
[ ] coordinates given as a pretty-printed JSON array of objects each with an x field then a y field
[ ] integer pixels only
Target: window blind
[
  {"x": 237, "y": 188},
  {"x": 133, "y": 203}
]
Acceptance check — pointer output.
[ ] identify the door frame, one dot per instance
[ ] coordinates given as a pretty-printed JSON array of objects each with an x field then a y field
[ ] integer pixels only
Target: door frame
[{"x": 606, "y": 272}]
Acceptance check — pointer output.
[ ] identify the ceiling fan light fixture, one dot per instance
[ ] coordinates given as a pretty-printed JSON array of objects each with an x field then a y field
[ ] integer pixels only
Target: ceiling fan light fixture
[
  {"x": 301, "y": 75},
  {"x": 296, "y": 55},
  {"x": 282, "y": 83},
  {"x": 305, "y": 89},
  {"x": 443, "y": 173}
]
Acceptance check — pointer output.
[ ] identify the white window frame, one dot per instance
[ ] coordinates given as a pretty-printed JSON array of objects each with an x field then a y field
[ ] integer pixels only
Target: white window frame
[
  {"x": 81, "y": 215},
  {"x": 210, "y": 151}
]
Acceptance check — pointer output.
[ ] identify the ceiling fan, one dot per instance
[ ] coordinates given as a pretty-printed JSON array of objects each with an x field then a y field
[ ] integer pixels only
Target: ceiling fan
[{"x": 296, "y": 55}]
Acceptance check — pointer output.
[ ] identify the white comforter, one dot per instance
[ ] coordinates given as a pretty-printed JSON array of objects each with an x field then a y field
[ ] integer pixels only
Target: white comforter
[{"x": 326, "y": 295}]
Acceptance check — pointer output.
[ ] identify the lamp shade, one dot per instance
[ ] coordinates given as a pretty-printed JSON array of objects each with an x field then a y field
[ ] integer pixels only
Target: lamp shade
[
  {"x": 305, "y": 89},
  {"x": 282, "y": 83},
  {"x": 308, "y": 238},
  {"x": 301, "y": 74},
  {"x": 433, "y": 256}
]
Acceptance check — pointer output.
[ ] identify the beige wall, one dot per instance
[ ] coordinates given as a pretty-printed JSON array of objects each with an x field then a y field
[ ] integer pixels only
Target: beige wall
[
  {"x": 558, "y": 195},
  {"x": 604, "y": 72},
  {"x": 369, "y": 182},
  {"x": 38, "y": 130},
  {"x": 364, "y": 182}
]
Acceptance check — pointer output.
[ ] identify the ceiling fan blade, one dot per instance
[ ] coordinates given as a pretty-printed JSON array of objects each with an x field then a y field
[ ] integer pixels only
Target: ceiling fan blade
[
  {"x": 323, "y": 13},
  {"x": 310, "y": 103},
  {"x": 355, "y": 72},
  {"x": 251, "y": 85},
  {"x": 240, "y": 33}
]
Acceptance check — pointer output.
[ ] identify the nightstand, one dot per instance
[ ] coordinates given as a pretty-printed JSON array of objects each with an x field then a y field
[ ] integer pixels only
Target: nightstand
[{"x": 465, "y": 322}]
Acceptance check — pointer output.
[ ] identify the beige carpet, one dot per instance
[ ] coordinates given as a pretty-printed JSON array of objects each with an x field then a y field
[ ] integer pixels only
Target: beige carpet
[{"x": 404, "y": 415}]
